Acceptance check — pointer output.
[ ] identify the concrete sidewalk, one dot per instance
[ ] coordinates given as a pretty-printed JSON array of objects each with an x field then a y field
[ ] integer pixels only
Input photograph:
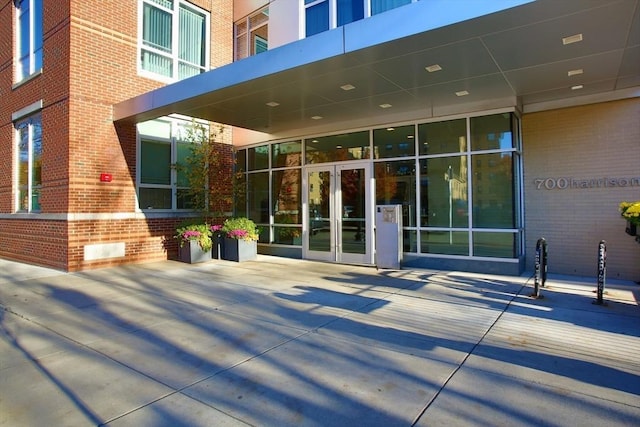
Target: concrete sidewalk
[{"x": 281, "y": 342}]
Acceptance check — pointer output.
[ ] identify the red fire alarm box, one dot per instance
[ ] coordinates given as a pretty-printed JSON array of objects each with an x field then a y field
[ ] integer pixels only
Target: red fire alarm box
[{"x": 106, "y": 177}]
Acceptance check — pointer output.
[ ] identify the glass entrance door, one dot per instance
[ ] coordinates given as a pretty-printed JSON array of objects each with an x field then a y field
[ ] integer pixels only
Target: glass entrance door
[{"x": 338, "y": 212}]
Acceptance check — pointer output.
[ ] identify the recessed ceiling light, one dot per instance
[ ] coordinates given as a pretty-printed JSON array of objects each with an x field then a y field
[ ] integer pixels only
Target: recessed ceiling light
[
  {"x": 347, "y": 87},
  {"x": 391, "y": 129},
  {"x": 316, "y": 117},
  {"x": 574, "y": 72},
  {"x": 576, "y": 87},
  {"x": 572, "y": 39},
  {"x": 433, "y": 68},
  {"x": 462, "y": 93},
  {"x": 273, "y": 104},
  {"x": 410, "y": 136},
  {"x": 338, "y": 146},
  {"x": 385, "y": 105}
]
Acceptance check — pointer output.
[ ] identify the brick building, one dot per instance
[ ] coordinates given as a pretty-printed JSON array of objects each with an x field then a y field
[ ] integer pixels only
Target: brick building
[{"x": 491, "y": 124}]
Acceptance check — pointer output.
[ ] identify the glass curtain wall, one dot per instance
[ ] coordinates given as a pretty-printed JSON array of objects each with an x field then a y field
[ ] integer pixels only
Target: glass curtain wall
[{"x": 458, "y": 182}]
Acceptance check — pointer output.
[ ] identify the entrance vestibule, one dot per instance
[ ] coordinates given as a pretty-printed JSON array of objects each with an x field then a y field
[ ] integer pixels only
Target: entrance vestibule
[{"x": 458, "y": 181}]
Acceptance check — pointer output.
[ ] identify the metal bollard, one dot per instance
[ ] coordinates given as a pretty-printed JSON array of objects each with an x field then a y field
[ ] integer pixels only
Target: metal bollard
[
  {"x": 543, "y": 270},
  {"x": 602, "y": 272},
  {"x": 540, "y": 276}
]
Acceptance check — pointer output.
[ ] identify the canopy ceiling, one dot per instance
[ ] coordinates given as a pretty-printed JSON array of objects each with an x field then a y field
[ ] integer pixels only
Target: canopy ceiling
[{"x": 511, "y": 57}]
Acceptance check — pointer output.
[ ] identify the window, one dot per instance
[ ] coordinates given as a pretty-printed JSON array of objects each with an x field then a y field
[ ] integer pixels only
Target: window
[
  {"x": 321, "y": 15},
  {"x": 349, "y": 11},
  {"x": 316, "y": 16},
  {"x": 29, "y": 136},
  {"x": 337, "y": 148},
  {"x": 174, "y": 42},
  {"x": 252, "y": 34},
  {"x": 28, "y": 37},
  {"x": 394, "y": 142},
  {"x": 162, "y": 145},
  {"x": 396, "y": 184},
  {"x": 379, "y": 6},
  {"x": 458, "y": 181}
]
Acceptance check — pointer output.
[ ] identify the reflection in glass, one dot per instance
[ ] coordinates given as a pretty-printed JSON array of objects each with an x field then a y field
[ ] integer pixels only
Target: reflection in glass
[
  {"x": 23, "y": 167},
  {"x": 258, "y": 157},
  {"x": 287, "y": 235},
  {"x": 444, "y": 200},
  {"x": 500, "y": 245},
  {"x": 287, "y": 203},
  {"x": 396, "y": 185},
  {"x": 319, "y": 211},
  {"x": 241, "y": 160},
  {"x": 410, "y": 241},
  {"x": 155, "y": 162},
  {"x": 444, "y": 242},
  {"x": 240, "y": 198},
  {"x": 337, "y": 148},
  {"x": 352, "y": 186},
  {"x": 394, "y": 142},
  {"x": 155, "y": 198},
  {"x": 443, "y": 137},
  {"x": 287, "y": 154},
  {"x": 493, "y": 190},
  {"x": 258, "y": 197},
  {"x": 492, "y": 132}
]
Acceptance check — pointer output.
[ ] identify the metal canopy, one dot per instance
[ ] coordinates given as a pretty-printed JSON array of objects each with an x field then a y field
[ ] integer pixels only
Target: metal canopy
[{"x": 506, "y": 58}]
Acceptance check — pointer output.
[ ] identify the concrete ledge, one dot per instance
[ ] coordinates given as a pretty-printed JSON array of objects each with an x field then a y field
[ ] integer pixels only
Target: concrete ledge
[{"x": 509, "y": 268}]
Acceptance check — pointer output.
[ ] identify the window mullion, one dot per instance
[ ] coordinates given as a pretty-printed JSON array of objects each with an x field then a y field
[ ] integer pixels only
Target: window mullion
[
  {"x": 367, "y": 8},
  {"x": 174, "y": 171},
  {"x": 333, "y": 14},
  {"x": 175, "y": 43}
]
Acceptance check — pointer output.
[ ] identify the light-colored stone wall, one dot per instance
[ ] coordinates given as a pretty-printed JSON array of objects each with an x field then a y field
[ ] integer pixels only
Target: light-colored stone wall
[{"x": 569, "y": 148}]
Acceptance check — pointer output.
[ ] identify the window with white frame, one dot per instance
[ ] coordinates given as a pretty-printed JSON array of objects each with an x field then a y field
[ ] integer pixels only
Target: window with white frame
[
  {"x": 29, "y": 162},
  {"x": 162, "y": 146},
  {"x": 173, "y": 39},
  {"x": 252, "y": 34},
  {"x": 28, "y": 37},
  {"x": 322, "y": 15}
]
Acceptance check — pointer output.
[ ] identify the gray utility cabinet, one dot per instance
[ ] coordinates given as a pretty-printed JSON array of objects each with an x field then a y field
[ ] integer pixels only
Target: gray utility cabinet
[{"x": 388, "y": 236}]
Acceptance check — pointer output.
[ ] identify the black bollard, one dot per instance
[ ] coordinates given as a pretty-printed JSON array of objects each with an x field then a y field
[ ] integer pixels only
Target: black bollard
[
  {"x": 602, "y": 272},
  {"x": 540, "y": 268}
]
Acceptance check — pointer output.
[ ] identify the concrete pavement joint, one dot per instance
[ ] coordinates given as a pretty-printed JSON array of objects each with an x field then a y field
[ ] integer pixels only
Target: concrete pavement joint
[{"x": 466, "y": 357}]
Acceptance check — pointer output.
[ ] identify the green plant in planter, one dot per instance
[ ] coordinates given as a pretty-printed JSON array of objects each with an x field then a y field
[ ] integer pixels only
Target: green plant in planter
[
  {"x": 198, "y": 232},
  {"x": 240, "y": 228}
]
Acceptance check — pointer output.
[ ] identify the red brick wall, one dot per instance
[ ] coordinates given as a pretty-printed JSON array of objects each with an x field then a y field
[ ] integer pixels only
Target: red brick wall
[
  {"x": 6, "y": 107},
  {"x": 591, "y": 141},
  {"x": 90, "y": 63}
]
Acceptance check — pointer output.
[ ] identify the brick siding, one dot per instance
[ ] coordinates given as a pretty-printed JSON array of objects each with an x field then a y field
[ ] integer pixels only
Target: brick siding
[{"x": 89, "y": 65}]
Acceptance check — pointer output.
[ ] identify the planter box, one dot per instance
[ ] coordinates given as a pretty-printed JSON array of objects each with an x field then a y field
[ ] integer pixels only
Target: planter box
[
  {"x": 192, "y": 253},
  {"x": 240, "y": 250},
  {"x": 631, "y": 229}
]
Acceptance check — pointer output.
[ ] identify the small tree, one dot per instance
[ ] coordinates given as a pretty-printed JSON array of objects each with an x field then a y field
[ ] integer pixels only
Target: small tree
[{"x": 207, "y": 172}]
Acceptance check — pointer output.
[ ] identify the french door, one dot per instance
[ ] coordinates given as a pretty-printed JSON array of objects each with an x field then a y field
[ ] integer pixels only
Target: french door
[{"x": 338, "y": 211}]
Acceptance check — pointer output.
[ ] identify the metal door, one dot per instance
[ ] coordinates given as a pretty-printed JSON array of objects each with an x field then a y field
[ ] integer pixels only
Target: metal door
[{"x": 338, "y": 212}]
